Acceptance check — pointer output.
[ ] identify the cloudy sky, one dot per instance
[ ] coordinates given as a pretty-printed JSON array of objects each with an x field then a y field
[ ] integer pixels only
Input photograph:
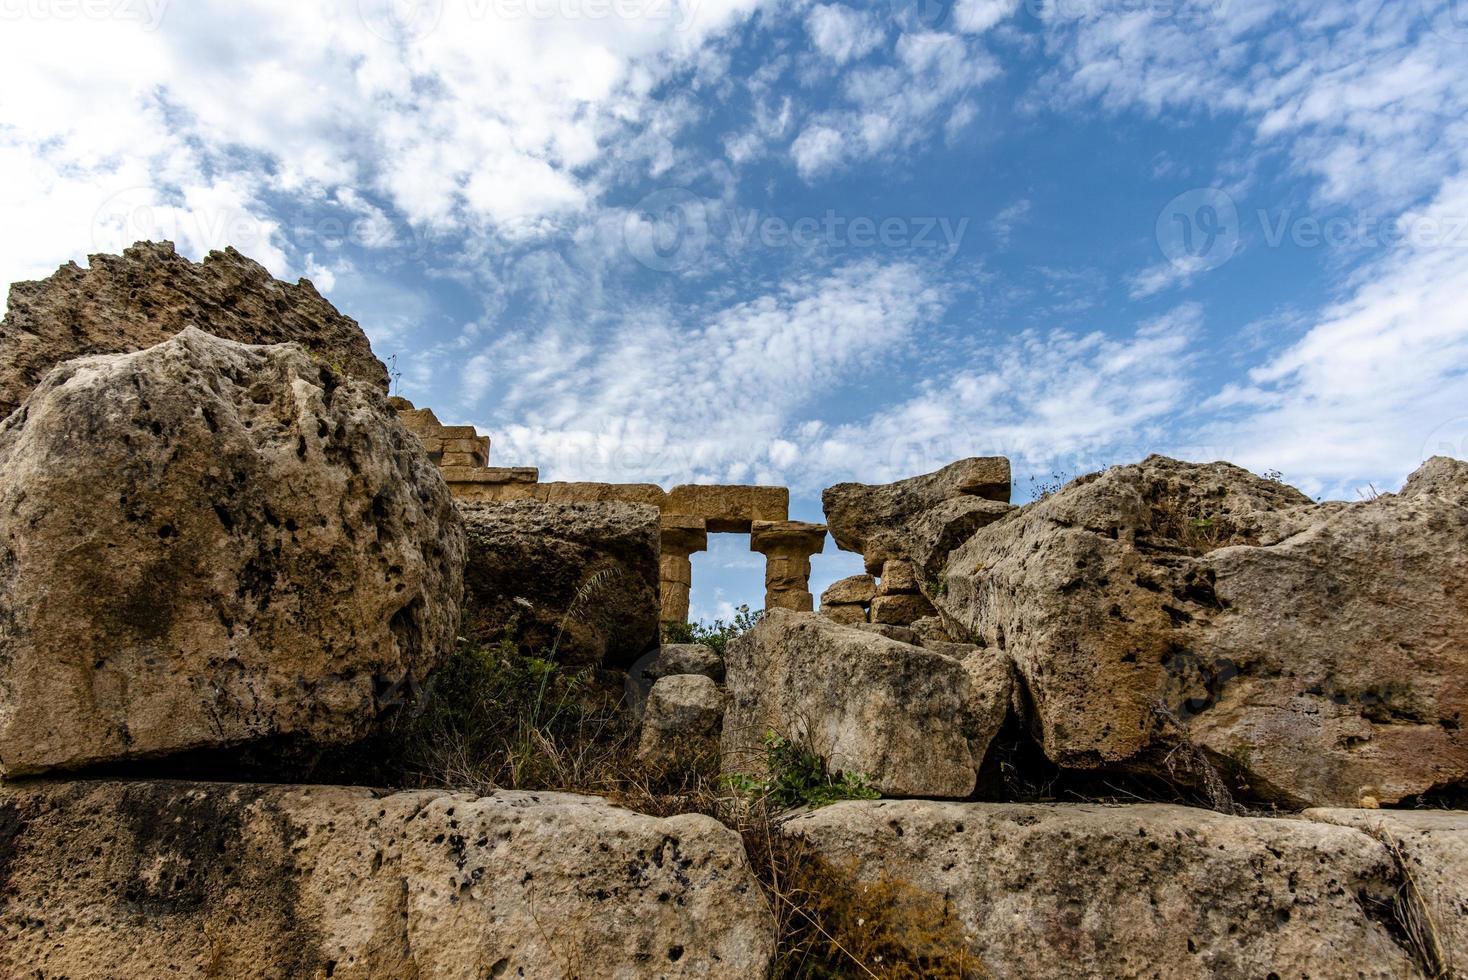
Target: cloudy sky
[{"x": 801, "y": 243}]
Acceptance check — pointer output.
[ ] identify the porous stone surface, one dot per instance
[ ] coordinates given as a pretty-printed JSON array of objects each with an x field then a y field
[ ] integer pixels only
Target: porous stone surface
[
  {"x": 686, "y": 658},
  {"x": 132, "y": 301},
  {"x": 1314, "y": 652},
  {"x": 857, "y": 590},
  {"x": 682, "y": 719},
  {"x": 154, "y": 879},
  {"x": 901, "y": 610},
  {"x": 1431, "y": 848},
  {"x": 899, "y": 578},
  {"x": 577, "y": 579},
  {"x": 1135, "y": 891},
  {"x": 913, "y": 721},
  {"x": 846, "y": 615},
  {"x": 206, "y": 543},
  {"x": 912, "y": 518}
]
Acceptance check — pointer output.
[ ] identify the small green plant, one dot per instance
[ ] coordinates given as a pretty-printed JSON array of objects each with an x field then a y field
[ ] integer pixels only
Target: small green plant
[
  {"x": 716, "y": 636},
  {"x": 798, "y": 778},
  {"x": 936, "y": 588}
]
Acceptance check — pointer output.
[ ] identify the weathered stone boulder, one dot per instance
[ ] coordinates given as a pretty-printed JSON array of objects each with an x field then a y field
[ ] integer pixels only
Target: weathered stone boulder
[
  {"x": 1430, "y": 848},
  {"x": 681, "y": 721},
  {"x": 920, "y": 519},
  {"x": 217, "y": 880},
  {"x": 129, "y": 302},
  {"x": 914, "y": 722},
  {"x": 579, "y": 580},
  {"x": 858, "y": 590},
  {"x": 1314, "y": 652},
  {"x": 206, "y": 543},
  {"x": 674, "y": 659},
  {"x": 1138, "y": 891}
]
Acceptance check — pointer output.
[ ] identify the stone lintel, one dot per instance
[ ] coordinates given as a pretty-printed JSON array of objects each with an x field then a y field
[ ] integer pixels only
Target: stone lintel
[
  {"x": 489, "y": 475},
  {"x": 787, "y": 536},
  {"x": 684, "y": 535},
  {"x": 729, "y": 509}
]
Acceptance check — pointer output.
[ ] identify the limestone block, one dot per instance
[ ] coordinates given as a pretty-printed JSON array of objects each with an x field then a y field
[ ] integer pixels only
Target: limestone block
[
  {"x": 899, "y": 578},
  {"x": 158, "y": 879},
  {"x": 857, "y": 590}
]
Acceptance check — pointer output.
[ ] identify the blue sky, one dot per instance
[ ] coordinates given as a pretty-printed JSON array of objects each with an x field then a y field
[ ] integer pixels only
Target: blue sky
[{"x": 734, "y": 241}]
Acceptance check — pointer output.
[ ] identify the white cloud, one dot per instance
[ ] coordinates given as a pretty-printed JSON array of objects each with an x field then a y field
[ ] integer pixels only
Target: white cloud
[
  {"x": 978, "y": 16},
  {"x": 817, "y": 150},
  {"x": 725, "y": 397},
  {"x": 1004, "y": 223},
  {"x": 1378, "y": 383},
  {"x": 841, "y": 33},
  {"x": 488, "y": 123}
]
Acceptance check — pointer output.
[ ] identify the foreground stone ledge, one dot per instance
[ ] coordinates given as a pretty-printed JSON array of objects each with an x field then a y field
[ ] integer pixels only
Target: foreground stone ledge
[
  {"x": 1138, "y": 891},
  {"x": 161, "y": 879},
  {"x": 1432, "y": 846},
  {"x": 914, "y": 722}
]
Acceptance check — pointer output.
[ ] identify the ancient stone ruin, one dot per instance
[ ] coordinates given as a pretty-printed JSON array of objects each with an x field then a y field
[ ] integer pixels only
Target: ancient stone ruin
[
  {"x": 294, "y": 684},
  {"x": 688, "y": 513}
]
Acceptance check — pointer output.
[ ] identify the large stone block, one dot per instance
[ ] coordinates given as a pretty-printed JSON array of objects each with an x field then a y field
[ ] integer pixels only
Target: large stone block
[
  {"x": 680, "y": 724},
  {"x": 1133, "y": 891},
  {"x": 206, "y": 543},
  {"x": 579, "y": 579},
  {"x": 919, "y": 519},
  {"x": 729, "y": 509},
  {"x": 1314, "y": 652},
  {"x": 915, "y": 722},
  {"x": 149, "y": 293},
  {"x": 217, "y": 880}
]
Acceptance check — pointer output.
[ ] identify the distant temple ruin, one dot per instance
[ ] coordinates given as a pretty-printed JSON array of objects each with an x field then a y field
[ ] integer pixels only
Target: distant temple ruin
[{"x": 689, "y": 513}]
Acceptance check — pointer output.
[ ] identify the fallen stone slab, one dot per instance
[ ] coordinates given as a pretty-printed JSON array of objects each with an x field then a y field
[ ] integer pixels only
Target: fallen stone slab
[
  {"x": 880, "y": 521},
  {"x": 1312, "y": 651},
  {"x": 577, "y": 579},
  {"x": 1134, "y": 891},
  {"x": 147, "y": 294},
  {"x": 205, "y": 544},
  {"x": 914, "y": 722},
  {"x": 153, "y": 879}
]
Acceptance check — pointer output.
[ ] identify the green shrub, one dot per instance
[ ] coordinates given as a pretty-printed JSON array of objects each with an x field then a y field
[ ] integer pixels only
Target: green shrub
[
  {"x": 716, "y": 636},
  {"x": 798, "y": 778}
]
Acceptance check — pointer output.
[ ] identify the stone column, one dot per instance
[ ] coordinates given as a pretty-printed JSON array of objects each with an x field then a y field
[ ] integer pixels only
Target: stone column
[
  {"x": 681, "y": 537},
  {"x": 787, "y": 547}
]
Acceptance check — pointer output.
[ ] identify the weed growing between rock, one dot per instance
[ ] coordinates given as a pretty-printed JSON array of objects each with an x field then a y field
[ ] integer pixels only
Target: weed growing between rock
[{"x": 496, "y": 718}]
